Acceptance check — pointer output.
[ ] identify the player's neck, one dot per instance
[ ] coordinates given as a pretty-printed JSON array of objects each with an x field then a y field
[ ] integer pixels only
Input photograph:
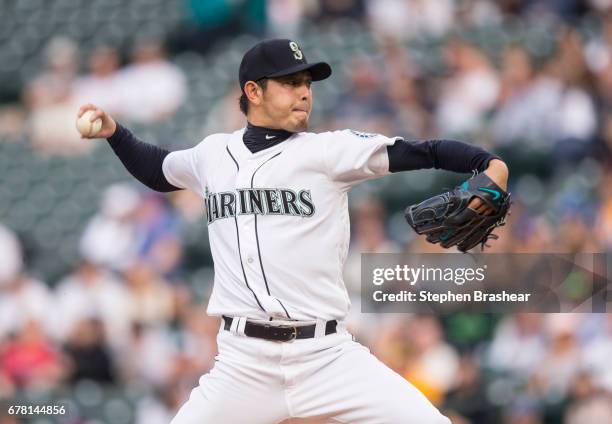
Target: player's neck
[{"x": 258, "y": 138}]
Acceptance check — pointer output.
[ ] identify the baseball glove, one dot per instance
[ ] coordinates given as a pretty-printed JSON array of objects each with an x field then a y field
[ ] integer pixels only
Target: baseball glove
[{"x": 447, "y": 219}]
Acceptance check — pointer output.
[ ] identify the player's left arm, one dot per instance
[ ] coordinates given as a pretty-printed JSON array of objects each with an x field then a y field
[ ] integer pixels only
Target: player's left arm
[{"x": 449, "y": 155}]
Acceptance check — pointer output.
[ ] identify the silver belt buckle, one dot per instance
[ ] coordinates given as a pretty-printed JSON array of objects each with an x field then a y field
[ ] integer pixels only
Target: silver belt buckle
[{"x": 293, "y": 332}]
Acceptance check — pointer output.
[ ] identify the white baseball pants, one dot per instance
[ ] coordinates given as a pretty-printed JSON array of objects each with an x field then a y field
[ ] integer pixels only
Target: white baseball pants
[{"x": 329, "y": 379}]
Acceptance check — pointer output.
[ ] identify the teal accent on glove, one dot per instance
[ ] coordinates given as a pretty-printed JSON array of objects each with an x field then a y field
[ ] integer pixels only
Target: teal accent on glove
[{"x": 495, "y": 193}]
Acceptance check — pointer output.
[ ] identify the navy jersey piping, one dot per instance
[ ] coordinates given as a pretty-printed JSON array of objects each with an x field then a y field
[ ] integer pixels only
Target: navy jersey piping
[
  {"x": 238, "y": 239},
  {"x": 263, "y": 273}
]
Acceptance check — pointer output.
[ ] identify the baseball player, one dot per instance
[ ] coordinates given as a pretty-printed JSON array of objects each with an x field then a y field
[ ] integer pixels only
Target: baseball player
[{"x": 278, "y": 224}]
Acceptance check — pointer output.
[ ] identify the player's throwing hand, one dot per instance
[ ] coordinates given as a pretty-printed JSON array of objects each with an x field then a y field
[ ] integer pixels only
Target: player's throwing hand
[{"x": 108, "y": 123}]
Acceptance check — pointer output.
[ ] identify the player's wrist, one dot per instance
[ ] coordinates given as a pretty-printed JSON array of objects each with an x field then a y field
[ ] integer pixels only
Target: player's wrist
[
  {"x": 498, "y": 171},
  {"x": 119, "y": 133},
  {"x": 113, "y": 126}
]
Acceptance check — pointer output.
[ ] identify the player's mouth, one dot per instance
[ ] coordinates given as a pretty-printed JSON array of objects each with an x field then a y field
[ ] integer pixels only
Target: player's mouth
[{"x": 300, "y": 110}]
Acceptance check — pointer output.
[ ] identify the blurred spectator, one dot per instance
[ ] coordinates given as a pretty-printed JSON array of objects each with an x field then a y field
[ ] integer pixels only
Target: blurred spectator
[
  {"x": 576, "y": 115},
  {"x": 188, "y": 205},
  {"x": 604, "y": 219},
  {"x": 431, "y": 363},
  {"x": 537, "y": 236},
  {"x": 412, "y": 120},
  {"x": 559, "y": 367},
  {"x": 225, "y": 116},
  {"x": 53, "y": 84},
  {"x": 364, "y": 105},
  {"x": 368, "y": 236},
  {"x": 150, "y": 88},
  {"x": 603, "y": 91},
  {"x": 161, "y": 408},
  {"x": 529, "y": 114},
  {"x": 30, "y": 360},
  {"x": 109, "y": 238},
  {"x": 92, "y": 293},
  {"x": 7, "y": 388},
  {"x": 405, "y": 19},
  {"x": 150, "y": 356},
  {"x": 515, "y": 120},
  {"x": 548, "y": 107},
  {"x": 150, "y": 297},
  {"x": 597, "y": 49},
  {"x": 479, "y": 13},
  {"x": 405, "y": 89},
  {"x": 518, "y": 345},
  {"x": 596, "y": 409},
  {"x": 285, "y": 17},
  {"x": 596, "y": 357},
  {"x": 25, "y": 299},
  {"x": 388, "y": 338},
  {"x": 469, "y": 93},
  {"x": 101, "y": 85},
  {"x": 199, "y": 341},
  {"x": 12, "y": 122},
  {"x": 51, "y": 105},
  {"x": 468, "y": 397},
  {"x": 575, "y": 236},
  {"x": 87, "y": 353},
  {"x": 157, "y": 235},
  {"x": 328, "y": 11},
  {"x": 566, "y": 9},
  {"x": 11, "y": 260},
  {"x": 131, "y": 227}
]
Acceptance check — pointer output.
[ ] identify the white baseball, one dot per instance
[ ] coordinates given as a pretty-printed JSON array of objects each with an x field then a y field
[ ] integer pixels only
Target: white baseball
[{"x": 86, "y": 127}]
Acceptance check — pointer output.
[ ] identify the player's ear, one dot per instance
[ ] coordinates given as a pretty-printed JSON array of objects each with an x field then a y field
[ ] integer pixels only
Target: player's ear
[{"x": 253, "y": 92}]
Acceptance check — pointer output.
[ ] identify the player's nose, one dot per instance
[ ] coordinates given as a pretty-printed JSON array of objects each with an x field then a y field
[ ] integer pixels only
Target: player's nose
[
  {"x": 304, "y": 91},
  {"x": 305, "y": 99}
]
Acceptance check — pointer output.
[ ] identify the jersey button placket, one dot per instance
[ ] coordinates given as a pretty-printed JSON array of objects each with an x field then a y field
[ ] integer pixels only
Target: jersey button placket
[{"x": 247, "y": 222}]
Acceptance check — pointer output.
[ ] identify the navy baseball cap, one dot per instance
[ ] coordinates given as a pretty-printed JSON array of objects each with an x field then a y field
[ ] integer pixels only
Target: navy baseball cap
[{"x": 276, "y": 58}]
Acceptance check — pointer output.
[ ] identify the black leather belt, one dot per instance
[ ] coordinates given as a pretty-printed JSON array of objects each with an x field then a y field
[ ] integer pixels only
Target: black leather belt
[{"x": 280, "y": 333}]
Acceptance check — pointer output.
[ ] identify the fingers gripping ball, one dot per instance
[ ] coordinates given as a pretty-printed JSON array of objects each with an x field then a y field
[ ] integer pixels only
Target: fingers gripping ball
[
  {"x": 86, "y": 127},
  {"x": 447, "y": 219}
]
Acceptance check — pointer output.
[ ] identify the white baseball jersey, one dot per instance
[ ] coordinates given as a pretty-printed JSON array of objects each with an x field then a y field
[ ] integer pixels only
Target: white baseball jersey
[{"x": 278, "y": 219}]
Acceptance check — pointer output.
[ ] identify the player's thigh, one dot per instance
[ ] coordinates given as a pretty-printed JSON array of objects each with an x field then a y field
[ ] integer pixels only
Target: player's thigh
[
  {"x": 239, "y": 389},
  {"x": 357, "y": 388},
  {"x": 220, "y": 398}
]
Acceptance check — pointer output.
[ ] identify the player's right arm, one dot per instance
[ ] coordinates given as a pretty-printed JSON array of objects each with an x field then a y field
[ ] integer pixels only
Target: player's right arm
[{"x": 155, "y": 167}]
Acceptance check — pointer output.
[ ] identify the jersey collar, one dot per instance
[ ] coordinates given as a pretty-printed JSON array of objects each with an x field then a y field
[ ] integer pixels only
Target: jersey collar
[{"x": 257, "y": 138}]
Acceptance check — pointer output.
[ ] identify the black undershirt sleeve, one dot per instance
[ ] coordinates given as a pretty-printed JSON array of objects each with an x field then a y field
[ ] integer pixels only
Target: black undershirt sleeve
[
  {"x": 440, "y": 154},
  {"x": 142, "y": 160}
]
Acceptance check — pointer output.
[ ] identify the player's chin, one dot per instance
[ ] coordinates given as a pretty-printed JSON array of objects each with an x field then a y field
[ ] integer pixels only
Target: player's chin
[{"x": 300, "y": 121}]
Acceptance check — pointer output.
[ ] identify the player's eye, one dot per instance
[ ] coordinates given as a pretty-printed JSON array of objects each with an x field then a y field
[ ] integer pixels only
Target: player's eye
[{"x": 297, "y": 83}]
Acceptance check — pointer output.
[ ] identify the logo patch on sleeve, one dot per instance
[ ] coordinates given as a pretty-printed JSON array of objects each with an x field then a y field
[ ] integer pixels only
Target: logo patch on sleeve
[{"x": 363, "y": 134}]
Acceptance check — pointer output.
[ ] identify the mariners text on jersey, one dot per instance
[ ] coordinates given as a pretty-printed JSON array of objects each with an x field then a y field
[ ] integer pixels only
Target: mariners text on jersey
[{"x": 259, "y": 201}]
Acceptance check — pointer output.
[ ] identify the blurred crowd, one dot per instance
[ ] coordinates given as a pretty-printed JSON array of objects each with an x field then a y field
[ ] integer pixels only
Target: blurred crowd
[
  {"x": 125, "y": 316},
  {"x": 147, "y": 89},
  {"x": 126, "y": 312},
  {"x": 521, "y": 368},
  {"x": 121, "y": 317}
]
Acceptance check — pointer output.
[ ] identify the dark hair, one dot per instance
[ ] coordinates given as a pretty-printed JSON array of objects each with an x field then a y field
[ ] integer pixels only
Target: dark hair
[{"x": 244, "y": 101}]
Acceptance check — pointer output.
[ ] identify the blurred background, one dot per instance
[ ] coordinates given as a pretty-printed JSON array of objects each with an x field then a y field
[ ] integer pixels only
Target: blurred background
[{"x": 103, "y": 282}]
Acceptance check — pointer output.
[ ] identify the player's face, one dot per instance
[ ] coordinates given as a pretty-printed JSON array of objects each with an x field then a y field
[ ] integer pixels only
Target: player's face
[{"x": 288, "y": 101}]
